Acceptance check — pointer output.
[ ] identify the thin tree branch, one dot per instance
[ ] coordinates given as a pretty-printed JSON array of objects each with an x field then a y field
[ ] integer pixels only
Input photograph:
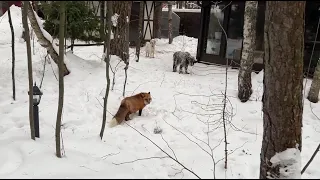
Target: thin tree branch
[
  {"x": 311, "y": 159},
  {"x": 164, "y": 152}
]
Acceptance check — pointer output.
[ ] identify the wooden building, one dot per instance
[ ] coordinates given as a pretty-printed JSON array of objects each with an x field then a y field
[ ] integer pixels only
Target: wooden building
[{"x": 214, "y": 48}]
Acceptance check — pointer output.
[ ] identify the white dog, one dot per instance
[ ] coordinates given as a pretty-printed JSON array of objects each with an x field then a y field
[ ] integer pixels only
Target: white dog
[{"x": 150, "y": 48}]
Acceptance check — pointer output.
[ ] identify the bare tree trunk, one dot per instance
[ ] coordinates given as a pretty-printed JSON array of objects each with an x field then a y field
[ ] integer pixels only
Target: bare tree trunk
[
  {"x": 170, "y": 22},
  {"x": 283, "y": 77},
  {"x": 107, "y": 60},
  {"x": 315, "y": 86},
  {"x": 12, "y": 54},
  {"x": 179, "y": 4},
  {"x": 102, "y": 25},
  {"x": 247, "y": 59},
  {"x": 27, "y": 36},
  {"x": 61, "y": 81},
  {"x": 126, "y": 43},
  {"x": 157, "y": 19},
  {"x": 23, "y": 36},
  {"x": 138, "y": 46},
  {"x": 72, "y": 44},
  {"x": 118, "y": 44},
  {"x": 44, "y": 42}
]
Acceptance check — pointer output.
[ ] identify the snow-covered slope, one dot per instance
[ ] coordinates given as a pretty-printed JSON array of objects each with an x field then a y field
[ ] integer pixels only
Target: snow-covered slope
[{"x": 178, "y": 100}]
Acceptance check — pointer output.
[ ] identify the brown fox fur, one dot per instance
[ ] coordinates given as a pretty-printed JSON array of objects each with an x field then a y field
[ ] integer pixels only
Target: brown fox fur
[{"x": 130, "y": 105}]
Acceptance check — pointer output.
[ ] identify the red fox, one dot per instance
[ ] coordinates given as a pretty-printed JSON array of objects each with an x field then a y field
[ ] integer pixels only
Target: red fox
[{"x": 130, "y": 105}]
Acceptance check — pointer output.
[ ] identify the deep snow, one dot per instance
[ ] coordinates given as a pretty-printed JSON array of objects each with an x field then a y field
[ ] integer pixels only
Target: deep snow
[{"x": 86, "y": 156}]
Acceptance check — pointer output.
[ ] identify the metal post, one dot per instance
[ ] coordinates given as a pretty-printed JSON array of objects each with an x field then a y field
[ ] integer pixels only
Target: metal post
[{"x": 36, "y": 120}]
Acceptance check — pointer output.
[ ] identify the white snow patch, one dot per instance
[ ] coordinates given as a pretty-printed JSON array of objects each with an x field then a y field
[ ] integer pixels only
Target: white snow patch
[
  {"x": 289, "y": 162},
  {"x": 88, "y": 156},
  {"x": 114, "y": 19}
]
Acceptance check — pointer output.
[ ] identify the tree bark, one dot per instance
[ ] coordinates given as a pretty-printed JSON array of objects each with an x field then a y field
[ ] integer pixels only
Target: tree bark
[
  {"x": 315, "y": 86},
  {"x": 118, "y": 45},
  {"x": 138, "y": 46},
  {"x": 283, "y": 77},
  {"x": 170, "y": 22},
  {"x": 44, "y": 42},
  {"x": 126, "y": 43},
  {"x": 27, "y": 38},
  {"x": 61, "y": 81},
  {"x": 12, "y": 54},
  {"x": 102, "y": 25},
  {"x": 157, "y": 19},
  {"x": 247, "y": 59},
  {"x": 107, "y": 60}
]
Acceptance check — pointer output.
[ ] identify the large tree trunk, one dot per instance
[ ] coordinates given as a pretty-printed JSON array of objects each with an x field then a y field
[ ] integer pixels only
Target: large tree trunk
[
  {"x": 157, "y": 19},
  {"x": 44, "y": 42},
  {"x": 107, "y": 60},
  {"x": 247, "y": 58},
  {"x": 170, "y": 21},
  {"x": 102, "y": 25},
  {"x": 27, "y": 38},
  {"x": 283, "y": 77},
  {"x": 118, "y": 45},
  {"x": 61, "y": 81},
  {"x": 315, "y": 86},
  {"x": 12, "y": 54},
  {"x": 138, "y": 45}
]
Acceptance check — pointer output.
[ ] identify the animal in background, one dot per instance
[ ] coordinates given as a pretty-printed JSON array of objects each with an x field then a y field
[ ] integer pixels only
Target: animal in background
[
  {"x": 150, "y": 48},
  {"x": 130, "y": 105},
  {"x": 184, "y": 59}
]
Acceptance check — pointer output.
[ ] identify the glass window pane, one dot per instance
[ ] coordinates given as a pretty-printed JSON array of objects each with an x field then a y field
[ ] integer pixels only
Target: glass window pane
[
  {"x": 235, "y": 31},
  {"x": 215, "y": 30}
]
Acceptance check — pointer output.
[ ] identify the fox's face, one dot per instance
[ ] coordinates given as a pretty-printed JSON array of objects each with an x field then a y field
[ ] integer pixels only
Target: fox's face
[{"x": 146, "y": 98}]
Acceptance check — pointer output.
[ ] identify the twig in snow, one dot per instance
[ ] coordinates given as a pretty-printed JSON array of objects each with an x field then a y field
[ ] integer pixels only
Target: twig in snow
[
  {"x": 108, "y": 155},
  {"x": 311, "y": 159},
  {"x": 140, "y": 159},
  {"x": 169, "y": 146},
  {"x": 232, "y": 151},
  {"x": 140, "y": 85},
  {"x": 179, "y": 171},
  {"x": 164, "y": 75},
  {"x": 89, "y": 168},
  {"x": 102, "y": 106},
  {"x": 208, "y": 144},
  {"x": 164, "y": 151}
]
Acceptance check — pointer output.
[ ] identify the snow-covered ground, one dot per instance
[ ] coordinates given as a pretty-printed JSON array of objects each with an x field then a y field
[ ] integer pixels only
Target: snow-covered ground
[{"x": 181, "y": 107}]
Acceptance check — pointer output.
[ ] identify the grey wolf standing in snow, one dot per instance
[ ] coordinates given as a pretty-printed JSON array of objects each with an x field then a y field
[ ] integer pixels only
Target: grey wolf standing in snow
[
  {"x": 184, "y": 59},
  {"x": 150, "y": 48}
]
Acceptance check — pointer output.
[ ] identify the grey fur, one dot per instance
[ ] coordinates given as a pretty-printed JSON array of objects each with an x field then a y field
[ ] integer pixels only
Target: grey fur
[{"x": 184, "y": 59}]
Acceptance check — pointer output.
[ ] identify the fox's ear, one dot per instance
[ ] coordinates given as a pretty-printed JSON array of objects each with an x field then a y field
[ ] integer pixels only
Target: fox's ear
[{"x": 148, "y": 92}]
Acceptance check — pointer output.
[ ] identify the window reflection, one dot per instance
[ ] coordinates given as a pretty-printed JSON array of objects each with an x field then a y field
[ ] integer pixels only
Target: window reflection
[
  {"x": 235, "y": 31},
  {"x": 215, "y": 30}
]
